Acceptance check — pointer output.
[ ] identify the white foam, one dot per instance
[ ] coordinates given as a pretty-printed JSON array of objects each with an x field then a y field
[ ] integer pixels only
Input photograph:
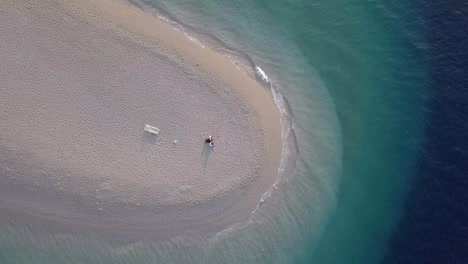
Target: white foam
[
  {"x": 193, "y": 39},
  {"x": 232, "y": 229},
  {"x": 262, "y": 74},
  {"x": 235, "y": 59},
  {"x": 286, "y": 126},
  {"x": 237, "y": 62},
  {"x": 179, "y": 27}
]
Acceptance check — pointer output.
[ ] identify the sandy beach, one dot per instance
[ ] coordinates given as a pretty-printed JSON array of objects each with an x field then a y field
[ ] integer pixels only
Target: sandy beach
[{"x": 79, "y": 81}]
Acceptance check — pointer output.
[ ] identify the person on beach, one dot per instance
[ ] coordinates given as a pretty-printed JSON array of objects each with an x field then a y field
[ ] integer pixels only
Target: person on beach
[{"x": 209, "y": 140}]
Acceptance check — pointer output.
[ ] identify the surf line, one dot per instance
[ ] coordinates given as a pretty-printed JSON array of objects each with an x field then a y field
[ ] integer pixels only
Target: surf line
[{"x": 286, "y": 130}]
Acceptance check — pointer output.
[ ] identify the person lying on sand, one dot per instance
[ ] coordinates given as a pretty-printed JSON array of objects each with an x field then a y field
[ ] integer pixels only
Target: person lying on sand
[{"x": 209, "y": 140}]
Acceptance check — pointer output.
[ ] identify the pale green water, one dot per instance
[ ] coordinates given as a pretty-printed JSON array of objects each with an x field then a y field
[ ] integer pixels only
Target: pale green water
[{"x": 351, "y": 79}]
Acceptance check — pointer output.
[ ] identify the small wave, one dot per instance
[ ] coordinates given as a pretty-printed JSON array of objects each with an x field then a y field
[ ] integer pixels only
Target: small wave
[
  {"x": 177, "y": 26},
  {"x": 265, "y": 196},
  {"x": 241, "y": 61},
  {"x": 193, "y": 39},
  {"x": 232, "y": 229},
  {"x": 237, "y": 62},
  {"x": 262, "y": 74},
  {"x": 285, "y": 120},
  {"x": 286, "y": 129}
]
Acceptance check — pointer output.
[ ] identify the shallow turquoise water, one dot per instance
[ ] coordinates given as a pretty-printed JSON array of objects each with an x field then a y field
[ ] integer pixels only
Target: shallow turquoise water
[{"x": 351, "y": 73}]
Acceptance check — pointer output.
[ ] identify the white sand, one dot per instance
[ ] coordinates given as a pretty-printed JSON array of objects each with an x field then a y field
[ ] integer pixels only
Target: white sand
[{"x": 79, "y": 81}]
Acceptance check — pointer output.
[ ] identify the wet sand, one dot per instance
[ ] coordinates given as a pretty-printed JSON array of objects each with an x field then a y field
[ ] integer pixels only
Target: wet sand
[{"x": 81, "y": 79}]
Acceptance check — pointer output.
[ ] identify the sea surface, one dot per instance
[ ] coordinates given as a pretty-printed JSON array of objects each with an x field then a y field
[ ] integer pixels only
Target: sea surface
[{"x": 375, "y": 98}]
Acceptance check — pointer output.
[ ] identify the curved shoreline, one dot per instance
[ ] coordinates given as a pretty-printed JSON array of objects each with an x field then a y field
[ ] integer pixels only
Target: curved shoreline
[{"x": 209, "y": 69}]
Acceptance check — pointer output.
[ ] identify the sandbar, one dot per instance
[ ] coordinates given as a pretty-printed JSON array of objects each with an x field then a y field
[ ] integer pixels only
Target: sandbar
[{"x": 81, "y": 79}]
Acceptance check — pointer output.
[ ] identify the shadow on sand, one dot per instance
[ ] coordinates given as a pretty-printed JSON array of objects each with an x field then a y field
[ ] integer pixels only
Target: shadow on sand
[
  {"x": 149, "y": 138},
  {"x": 206, "y": 154}
]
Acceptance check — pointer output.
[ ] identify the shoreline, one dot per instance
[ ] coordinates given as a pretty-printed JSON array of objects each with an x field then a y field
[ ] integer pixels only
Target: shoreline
[{"x": 236, "y": 197}]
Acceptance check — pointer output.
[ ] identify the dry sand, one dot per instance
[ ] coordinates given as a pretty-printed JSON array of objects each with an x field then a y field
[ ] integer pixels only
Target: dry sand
[{"x": 80, "y": 79}]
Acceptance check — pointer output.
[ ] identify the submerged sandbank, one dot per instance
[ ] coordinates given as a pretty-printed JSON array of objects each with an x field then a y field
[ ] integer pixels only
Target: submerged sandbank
[{"x": 80, "y": 81}]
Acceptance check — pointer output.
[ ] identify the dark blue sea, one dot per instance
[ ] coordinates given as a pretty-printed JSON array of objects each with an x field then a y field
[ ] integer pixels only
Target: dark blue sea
[{"x": 434, "y": 223}]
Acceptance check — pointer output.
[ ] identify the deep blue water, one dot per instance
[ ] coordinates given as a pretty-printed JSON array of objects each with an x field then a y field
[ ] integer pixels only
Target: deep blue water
[{"x": 434, "y": 226}]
